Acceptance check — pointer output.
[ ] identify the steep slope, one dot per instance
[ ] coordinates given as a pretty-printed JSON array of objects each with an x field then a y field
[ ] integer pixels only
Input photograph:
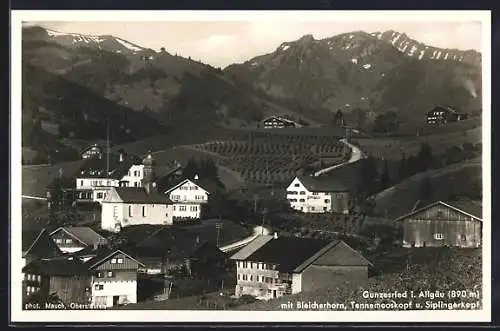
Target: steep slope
[
  {"x": 369, "y": 71},
  {"x": 417, "y": 50},
  {"x": 145, "y": 80}
]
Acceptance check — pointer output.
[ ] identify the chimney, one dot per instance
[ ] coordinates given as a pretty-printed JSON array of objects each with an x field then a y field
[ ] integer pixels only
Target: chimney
[{"x": 275, "y": 235}]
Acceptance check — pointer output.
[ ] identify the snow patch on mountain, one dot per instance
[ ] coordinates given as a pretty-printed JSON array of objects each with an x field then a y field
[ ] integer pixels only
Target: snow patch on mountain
[
  {"x": 367, "y": 66},
  {"x": 128, "y": 45}
]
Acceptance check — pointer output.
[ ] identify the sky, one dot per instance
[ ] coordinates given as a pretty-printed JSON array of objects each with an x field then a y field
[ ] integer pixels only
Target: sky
[{"x": 220, "y": 43}]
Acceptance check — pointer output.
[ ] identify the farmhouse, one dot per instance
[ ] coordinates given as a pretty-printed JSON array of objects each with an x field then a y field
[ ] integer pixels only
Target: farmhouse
[
  {"x": 278, "y": 122},
  {"x": 93, "y": 182},
  {"x": 444, "y": 114},
  {"x": 68, "y": 278},
  {"x": 102, "y": 277},
  {"x": 453, "y": 223},
  {"x": 37, "y": 245},
  {"x": 75, "y": 238},
  {"x": 188, "y": 196},
  {"x": 94, "y": 151},
  {"x": 273, "y": 266},
  {"x": 114, "y": 278},
  {"x": 318, "y": 195}
]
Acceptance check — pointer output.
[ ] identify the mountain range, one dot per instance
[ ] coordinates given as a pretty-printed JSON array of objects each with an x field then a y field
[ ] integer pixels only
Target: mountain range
[{"x": 306, "y": 79}]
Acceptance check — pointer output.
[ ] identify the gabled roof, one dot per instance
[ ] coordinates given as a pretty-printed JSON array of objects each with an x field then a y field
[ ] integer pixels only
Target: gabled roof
[
  {"x": 105, "y": 254},
  {"x": 60, "y": 266},
  {"x": 83, "y": 234},
  {"x": 249, "y": 249},
  {"x": 41, "y": 246},
  {"x": 101, "y": 149},
  {"x": 138, "y": 195},
  {"x": 322, "y": 184},
  {"x": 469, "y": 208},
  {"x": 199, "y": 182},
  {"x": 288, "y": 252}
]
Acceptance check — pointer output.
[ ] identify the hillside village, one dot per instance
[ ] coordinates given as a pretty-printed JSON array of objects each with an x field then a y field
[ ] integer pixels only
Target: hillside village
[{"x": 281, "y": 207}]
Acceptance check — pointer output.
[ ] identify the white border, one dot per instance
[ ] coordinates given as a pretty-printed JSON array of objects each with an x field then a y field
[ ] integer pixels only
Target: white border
[{"x": 17, "y": 315}]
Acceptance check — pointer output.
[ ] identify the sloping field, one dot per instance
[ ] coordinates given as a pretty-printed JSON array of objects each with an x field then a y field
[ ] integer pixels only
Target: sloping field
[
  {"x": 393, "y": 147},
  {"x": 462, "y": 179},
  {"x": 36, "y": 178}
]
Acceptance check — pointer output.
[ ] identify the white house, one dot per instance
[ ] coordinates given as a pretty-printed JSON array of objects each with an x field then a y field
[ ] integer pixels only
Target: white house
[
  {"x": 188, "y": 196},
  {"x": 114, "y": 278},
  {"x": 93, "y": 182},
  {"x": 318, "y": 195},
  {"x": 125, "y": 206}
]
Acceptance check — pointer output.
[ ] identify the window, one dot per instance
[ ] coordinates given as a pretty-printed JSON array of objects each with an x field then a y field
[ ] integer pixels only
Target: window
[
  {"x": 251, "y": 278},
  {"x": 327, "y": 201},
  {"x": 264, "y": 266},
  {"x": 68, "y": 241},
  {"x": 315, "y": 193},
  {"x": 302, "y": 193},
  {"x": 194, "y": 208},
  {"x": 113, "y": 261},
  {"x": 110, "y": 274},
  {"x": 58, "y": 241},
  {"x": 312, "y": 208},
  {"x": 324, "y": 208},
  {"x": 273, "y": 266},
  {"x": 173, "y": 208},
  {"x": 302, "y": 200},
  {"x": 463, "y": 237},
  {"x": 296, "y": 185},
  {"x": 440, "y": 214},
  {"x": 182, "y": 208},
  {"x": 143, "y": 211},
  {"x": 81, "y": 183},
  {"x": 119, "y": 260},
  {"x": 99, "y": 275},
  {"x": 130, "y": 211},
  {"x": 438, "y": 236},
  {"x": 99, "y": 287},
  {"x": 28, "y": 276},
  {"x": 239, "y": 277},
  {"x": 99, "y": 195}
]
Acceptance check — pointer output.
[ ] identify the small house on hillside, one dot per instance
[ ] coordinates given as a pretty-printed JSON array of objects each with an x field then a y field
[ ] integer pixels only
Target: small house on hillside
[
  {"x": 445, "y": 114},
  {"x": 273, "y": 266},
  {"x": 278, "y": 122},
  {"x": 318, "y": 195},
  {"x": 75, "y": 238},
  {"x": 92, "y": 152},
  {"x": 453, "y": 223}
]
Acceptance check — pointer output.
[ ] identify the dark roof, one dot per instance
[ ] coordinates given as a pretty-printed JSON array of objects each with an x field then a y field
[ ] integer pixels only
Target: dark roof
[
  {"x": 60, "y": 266},
  {"x": 139, "y": 195},
  {"x": 42, "y": 246},
  {"x": 323, "y": 184},
  {"x": 474, "y": 208},
  {"x": 288, "y": 252},
  {"x": 85, "y": 234},
  {"x": 98, "y": 165}
]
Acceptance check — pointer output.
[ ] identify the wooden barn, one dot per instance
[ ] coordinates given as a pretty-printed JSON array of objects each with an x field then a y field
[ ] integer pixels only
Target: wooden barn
[
  {"x": 445, "y": 114},
  {"x": 454, "y": 224}
]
